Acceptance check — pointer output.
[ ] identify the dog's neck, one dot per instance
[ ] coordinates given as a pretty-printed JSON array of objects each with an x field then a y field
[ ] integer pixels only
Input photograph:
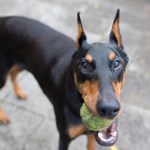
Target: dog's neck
[{"x": 73, "y": 97}]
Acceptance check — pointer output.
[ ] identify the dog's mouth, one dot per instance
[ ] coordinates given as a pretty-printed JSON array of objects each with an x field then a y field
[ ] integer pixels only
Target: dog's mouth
[{"x": 108, "y": 136}]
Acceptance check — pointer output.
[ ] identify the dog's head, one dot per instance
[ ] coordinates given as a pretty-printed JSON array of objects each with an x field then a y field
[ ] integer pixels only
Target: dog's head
[{"x": 99, "y": 73}]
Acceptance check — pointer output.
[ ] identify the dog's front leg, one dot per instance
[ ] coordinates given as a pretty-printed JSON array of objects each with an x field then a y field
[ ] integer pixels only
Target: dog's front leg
[
  {"x": 90, "y": 142},
  {"x": 13, "y": 74},
  {"x": 64, "y": 142}
]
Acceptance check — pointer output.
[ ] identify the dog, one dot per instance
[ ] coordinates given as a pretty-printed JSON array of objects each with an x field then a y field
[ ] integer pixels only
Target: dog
[{"x": 69, "y": 73}]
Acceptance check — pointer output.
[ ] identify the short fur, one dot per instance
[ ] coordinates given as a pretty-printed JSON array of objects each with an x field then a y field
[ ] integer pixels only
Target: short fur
[{"x": 58, "y": 65}]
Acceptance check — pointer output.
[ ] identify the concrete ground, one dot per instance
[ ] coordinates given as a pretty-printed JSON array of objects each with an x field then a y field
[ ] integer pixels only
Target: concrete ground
[{"x": 32, "y": 124}]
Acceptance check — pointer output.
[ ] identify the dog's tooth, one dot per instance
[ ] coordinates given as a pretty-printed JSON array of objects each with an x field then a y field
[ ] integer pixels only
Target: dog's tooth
[
  {"x": 100, "y": 135},
  {"x": 111, "y": 138},
  {"x": 107, "y": 139},
  {"x": 103, "y": 139},
  {"x": 114, "y": 133}
]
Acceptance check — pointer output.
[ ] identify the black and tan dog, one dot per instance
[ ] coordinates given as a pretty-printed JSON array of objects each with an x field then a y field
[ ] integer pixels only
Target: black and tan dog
[{"x": 68, "y": 74}]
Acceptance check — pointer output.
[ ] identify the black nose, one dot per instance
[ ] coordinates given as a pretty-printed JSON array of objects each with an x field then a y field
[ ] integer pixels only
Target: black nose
[{"x": 108, "y": 108}]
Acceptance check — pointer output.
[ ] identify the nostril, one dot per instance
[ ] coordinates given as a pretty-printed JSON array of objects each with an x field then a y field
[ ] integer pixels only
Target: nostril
[
  {"x": 103, "y": 112},
  {"x": 107, "y": 108},
  {"x": 116, "y": 110}
]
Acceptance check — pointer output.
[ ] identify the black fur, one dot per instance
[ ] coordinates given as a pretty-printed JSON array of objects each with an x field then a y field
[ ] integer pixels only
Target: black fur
[{"x": 53, "y": 58}]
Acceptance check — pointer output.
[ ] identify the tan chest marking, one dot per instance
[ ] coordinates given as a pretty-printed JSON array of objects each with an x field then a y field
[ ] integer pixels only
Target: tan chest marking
[{"x": 75, "y": 131}]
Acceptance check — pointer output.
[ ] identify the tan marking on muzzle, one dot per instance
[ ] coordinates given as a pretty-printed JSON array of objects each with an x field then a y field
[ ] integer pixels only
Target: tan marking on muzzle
[
  {"x": 89, "y": 58},
  {"x": 123, "y": 80},
  {"x": 90, "y": 93},
  {"x": 117, "y": 88}
]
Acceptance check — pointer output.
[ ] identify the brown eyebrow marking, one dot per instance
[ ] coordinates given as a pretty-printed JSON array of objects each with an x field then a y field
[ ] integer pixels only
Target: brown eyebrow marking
[
  {"x": 89, "y": 58},
  {"x": 111, "y": 56}
]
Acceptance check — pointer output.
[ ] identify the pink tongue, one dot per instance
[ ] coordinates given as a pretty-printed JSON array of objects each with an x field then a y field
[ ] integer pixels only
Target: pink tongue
[
  {"x": 108, "y": 136},
  {"x": 109, "y": 132},
  {"x": 113, "y": 127}
]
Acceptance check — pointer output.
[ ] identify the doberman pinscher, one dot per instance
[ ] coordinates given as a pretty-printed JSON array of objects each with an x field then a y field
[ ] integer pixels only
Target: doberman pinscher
[{"x": 68, "y": 72}]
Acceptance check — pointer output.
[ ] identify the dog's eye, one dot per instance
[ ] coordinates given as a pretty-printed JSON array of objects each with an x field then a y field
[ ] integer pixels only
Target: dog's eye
[
  {"x": 84, "y": 65},
  {"x": 116, "y": 64}
]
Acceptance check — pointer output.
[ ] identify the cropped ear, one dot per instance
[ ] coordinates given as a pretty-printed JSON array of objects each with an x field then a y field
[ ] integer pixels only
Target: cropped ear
[
  {"x": 115, "y": 35},
  {"x": 81, "y": 37}
]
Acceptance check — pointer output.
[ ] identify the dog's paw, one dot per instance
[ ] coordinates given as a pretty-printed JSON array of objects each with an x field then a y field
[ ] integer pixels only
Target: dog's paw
[{"x": 3, "y": 117}]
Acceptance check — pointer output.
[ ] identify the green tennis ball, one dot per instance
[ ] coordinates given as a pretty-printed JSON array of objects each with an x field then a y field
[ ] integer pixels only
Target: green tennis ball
[{"x": 93, "y": 122}]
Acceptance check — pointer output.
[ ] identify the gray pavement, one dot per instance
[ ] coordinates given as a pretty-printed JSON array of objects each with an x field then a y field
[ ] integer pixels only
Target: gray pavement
[{"x": 32, "y": 124}]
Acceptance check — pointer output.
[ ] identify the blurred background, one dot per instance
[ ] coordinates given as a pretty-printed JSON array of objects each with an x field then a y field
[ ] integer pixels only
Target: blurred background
[{"x": 32, "y": 124}]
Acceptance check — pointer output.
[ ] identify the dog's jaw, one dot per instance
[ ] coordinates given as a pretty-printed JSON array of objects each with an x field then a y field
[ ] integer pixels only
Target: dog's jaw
[{"x": 108, "y": 136}]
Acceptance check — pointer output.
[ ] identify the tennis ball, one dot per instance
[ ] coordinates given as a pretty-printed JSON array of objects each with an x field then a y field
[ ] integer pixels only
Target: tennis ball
[{"x": 93, "y": 122}]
